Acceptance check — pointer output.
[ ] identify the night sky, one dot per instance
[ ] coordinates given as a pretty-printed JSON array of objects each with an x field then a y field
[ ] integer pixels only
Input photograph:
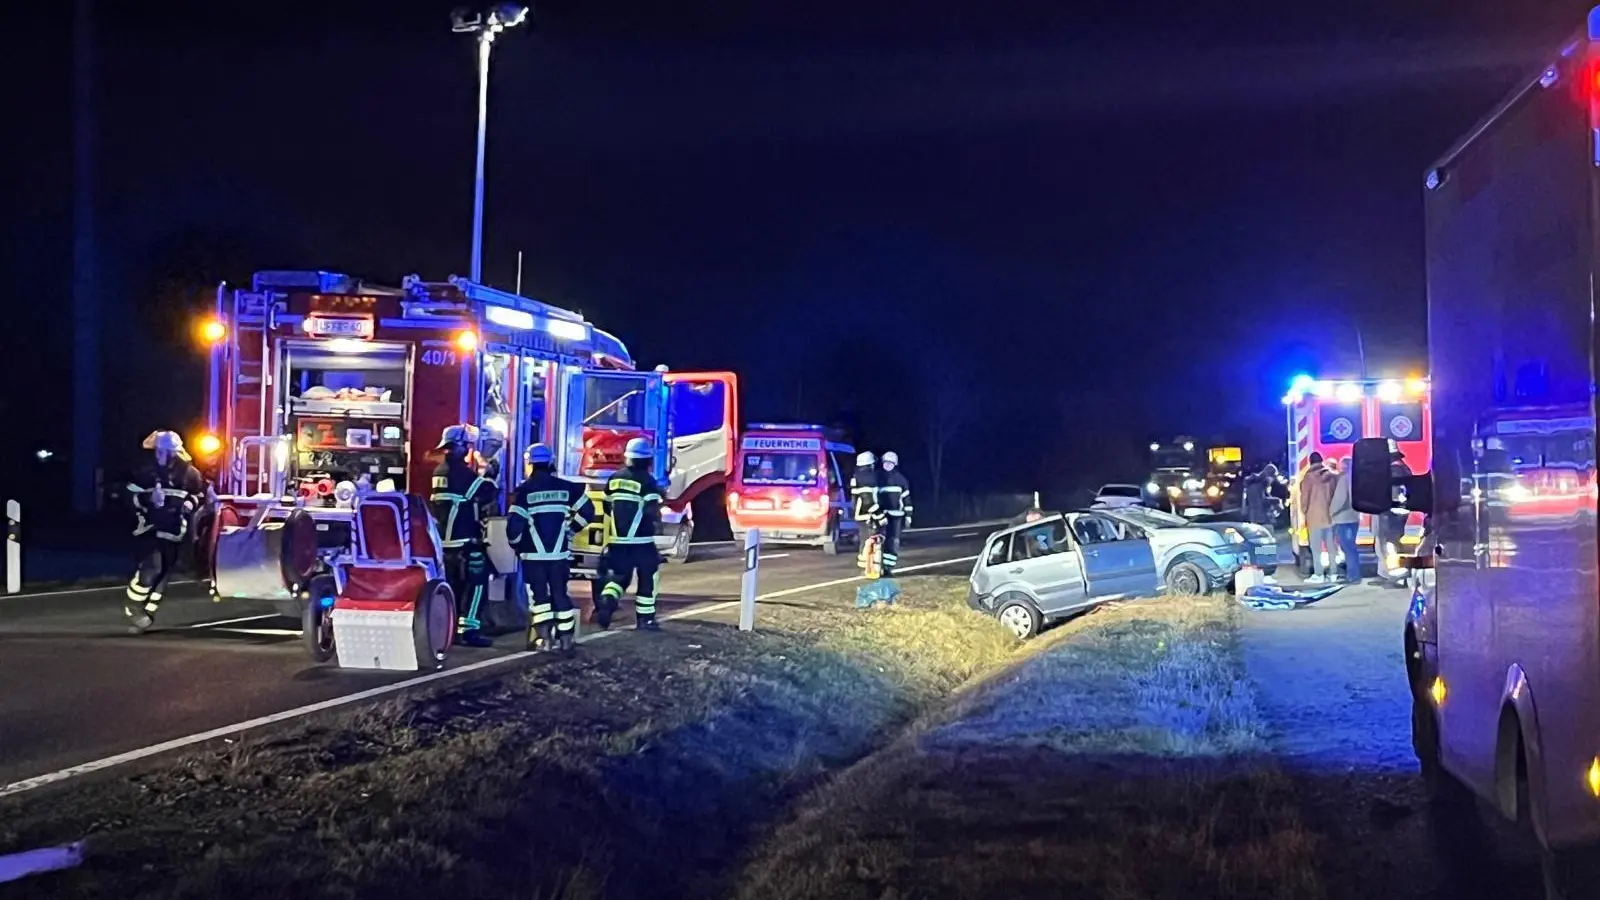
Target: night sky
[{"x": 1094, "y": 228}]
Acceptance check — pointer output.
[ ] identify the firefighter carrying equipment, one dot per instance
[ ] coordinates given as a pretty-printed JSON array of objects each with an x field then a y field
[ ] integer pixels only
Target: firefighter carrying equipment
[
  {"x": 633, "y": 508},
  {"x": 165, "y": 497},
  {"x": 462, "y": 500},
  {"x": 894, "y": 496},
  {"x": 545, "y": 511}
]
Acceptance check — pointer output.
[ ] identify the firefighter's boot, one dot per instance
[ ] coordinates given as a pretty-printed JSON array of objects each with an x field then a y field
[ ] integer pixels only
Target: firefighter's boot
[
  {"x": 539, "y": 640},
  {"x": 647, "y": 622},
  {"x": 567, "y": 643},
  {"x": 474, "y": 638}
]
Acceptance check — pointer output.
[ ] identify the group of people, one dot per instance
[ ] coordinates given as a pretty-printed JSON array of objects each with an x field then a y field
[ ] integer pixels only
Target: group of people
[
  {"x": 880, "y": 499},
  {"x": 545, "y": 512},
  {"x": 1332, "y": 522}
]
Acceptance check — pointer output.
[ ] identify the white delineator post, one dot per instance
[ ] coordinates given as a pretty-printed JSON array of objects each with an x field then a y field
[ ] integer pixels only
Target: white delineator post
[
  {"x": 13, "y": 547},
  {"x": 747, "y": 584}
]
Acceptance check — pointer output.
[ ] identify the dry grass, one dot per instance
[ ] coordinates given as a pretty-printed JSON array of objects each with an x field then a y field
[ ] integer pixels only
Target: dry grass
[
  {"x": 644, "y": 768},
  {"x": 1126, "y": 762}
]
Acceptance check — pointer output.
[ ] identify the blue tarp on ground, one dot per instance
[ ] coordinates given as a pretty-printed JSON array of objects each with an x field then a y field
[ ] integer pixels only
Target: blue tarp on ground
[
  {"x": 883, "y": 590},
  {"x": 1271, "y": 597}
]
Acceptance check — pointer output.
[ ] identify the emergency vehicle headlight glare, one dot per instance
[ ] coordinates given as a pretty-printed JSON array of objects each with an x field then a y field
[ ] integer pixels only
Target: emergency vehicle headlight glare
[
  {"x": 1347, "y": 393},
  {"x": 506, "y": 317},
  {"x": 565, "y": 330},
  {"x": 1153, "y": 488},
  {"x": 1322, "y": 388},
  {"x": 1389, "y": 391},
  {"x": 466, "y": 341},
  {"x": 1188, "y": 446},
  {"x": 1301, "y": 384},
  {"x": 1416, "y": 386},
  {"x": 1154, "y": 447}
]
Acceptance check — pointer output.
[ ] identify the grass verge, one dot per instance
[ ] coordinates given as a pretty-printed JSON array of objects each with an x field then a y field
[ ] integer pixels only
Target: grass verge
[
  {"x": 643, "y": 768},
  {"x": 1128, "y": 762}
]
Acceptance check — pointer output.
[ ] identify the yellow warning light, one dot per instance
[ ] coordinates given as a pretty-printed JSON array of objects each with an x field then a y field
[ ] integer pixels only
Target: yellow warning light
[
  {"x": 1416, "y": 387},
  {"x": 212, "y": 331},
  {"x": 208, "y": 444},
  {"x": 1437, "y": 692},
  {"x": 467, "y": 341},
  {"x": 1592, "y": 777}
]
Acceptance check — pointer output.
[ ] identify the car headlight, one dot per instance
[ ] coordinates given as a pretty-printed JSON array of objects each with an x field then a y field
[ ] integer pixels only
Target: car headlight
[
  {"x": 1213, "y": 491},
  {"x": 1153, "y": 488},
  {"x": 1173, "y": 491}
]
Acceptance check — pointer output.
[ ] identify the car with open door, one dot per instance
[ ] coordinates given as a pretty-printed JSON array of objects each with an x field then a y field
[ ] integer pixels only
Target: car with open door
[
  {"x": 1192, "y": 559},
  {"x": 1037, "y": 572}
]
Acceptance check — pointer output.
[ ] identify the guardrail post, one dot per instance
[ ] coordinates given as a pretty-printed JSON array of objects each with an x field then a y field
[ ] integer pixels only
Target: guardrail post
[
  {"x": 747, "y": 584},
  {"x": 13, "y": 547}
]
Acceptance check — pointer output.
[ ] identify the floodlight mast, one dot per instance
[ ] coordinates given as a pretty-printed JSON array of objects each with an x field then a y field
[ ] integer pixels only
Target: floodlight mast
[{"x": 486, "y": 25}]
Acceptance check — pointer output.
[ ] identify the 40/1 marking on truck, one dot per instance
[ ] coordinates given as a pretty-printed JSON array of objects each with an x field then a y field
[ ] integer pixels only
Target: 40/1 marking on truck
[{"x": 440, "y": 358}]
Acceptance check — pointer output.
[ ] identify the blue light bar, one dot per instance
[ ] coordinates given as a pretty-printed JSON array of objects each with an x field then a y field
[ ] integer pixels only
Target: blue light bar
[{"x": 787, "y": 426}]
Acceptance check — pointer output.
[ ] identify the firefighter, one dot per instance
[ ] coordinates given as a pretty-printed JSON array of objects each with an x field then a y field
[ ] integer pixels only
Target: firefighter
[
  {"x": 894, "y": 497},
  {"x": 545, "y": 511},
  {"x": 633, "y": 510},
  {"x": 864, "y": 503},
  {"x": 165, "y": 497},
  {"x": 462, "y": 501}
]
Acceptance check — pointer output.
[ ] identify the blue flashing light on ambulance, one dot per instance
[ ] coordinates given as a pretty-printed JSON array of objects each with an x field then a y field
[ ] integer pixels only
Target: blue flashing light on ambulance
[{"x": 792, "y": 482}]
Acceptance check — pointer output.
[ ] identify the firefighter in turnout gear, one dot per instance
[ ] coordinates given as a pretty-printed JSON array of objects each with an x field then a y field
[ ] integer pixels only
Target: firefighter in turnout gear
[
  {"x": 165, "y": 497},
  {"x": 462, "y": 500},
  {"x": 864, "y": 503},
  {"x": 545, "y": 512},
  {"x": 894, "y": 496},
  {"x": 633, "y": 508}
]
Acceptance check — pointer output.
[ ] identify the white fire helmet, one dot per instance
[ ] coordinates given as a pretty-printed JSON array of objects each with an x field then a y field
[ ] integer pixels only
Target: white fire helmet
[
  {"x": 638, "y": 448},
  {"x": 865, "y": 459},
  {"x": 539, "y": 455},
  {"x": 166, "y": 442},
  {"x": 457, "y": 434},
  {"x": 891, "y": 459}
]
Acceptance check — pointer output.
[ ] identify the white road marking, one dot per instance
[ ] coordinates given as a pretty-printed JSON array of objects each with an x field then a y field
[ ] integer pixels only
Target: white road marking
[
  {"x": 267, "y": 632},
  {"x": 38, "y": 781},
  {"x": 25, "y": 595},
  {"x": 234, "y": 621},
  {"x": 774, "y": 555}
]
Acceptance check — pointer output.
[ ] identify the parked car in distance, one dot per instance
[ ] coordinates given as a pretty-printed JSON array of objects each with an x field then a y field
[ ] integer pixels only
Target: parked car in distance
[
  {"x": 1119, "y": 495},
  {"x": 1192, "y": 559},
  {"x": 1033, "y": 573}
]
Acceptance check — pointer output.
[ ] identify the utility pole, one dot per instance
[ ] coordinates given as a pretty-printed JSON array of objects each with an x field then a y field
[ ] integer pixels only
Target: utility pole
[{"x": 85, "y": 303}]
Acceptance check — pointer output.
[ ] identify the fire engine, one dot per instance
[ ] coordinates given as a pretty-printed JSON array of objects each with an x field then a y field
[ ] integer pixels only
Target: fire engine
[
  {"x": 1329, "y": 416},
  {"x": 324, "y": 387},
  {"x": 792, "y": 481}
]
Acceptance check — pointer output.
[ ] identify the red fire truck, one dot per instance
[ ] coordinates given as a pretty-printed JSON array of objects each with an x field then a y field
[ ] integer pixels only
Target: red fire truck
[
  {"x": 322, "y": 386},
  {"x": 1329, "y": 416},
  {"x": 793, "y": 483}
]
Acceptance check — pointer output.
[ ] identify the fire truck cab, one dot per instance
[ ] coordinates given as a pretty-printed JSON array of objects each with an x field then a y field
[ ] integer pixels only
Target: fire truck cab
[
  {"x": 792, "y": 482},
  {"x": 324, "y": 388},
  {"x": 1328, "y": 417}
]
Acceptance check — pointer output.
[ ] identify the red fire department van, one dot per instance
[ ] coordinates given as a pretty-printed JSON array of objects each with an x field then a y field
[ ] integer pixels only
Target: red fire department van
[
  {"x": 1329, "y": 416},
  {"x": 792, "y": 481},
  {"x": 322, "y": 384}
]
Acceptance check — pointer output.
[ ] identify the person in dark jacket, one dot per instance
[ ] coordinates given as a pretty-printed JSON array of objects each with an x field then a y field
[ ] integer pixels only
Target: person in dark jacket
[
  {"x": 864, "y": 503},
  {"x": 894, "y": 497},
  {"x": 633, "y": 513},
  {"x": 546, "y": 510},
  {"x": 462, "y": 501},
  {"x": 165, "y": 498}
]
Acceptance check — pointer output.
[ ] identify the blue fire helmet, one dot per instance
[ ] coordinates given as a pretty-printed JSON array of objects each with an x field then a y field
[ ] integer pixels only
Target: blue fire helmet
[
  {"x": 638, "y": 448},
  {"x": 539, "y": 455}
]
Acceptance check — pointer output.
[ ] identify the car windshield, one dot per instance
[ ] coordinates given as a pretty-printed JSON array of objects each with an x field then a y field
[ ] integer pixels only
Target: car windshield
[
  {"x": 1155, "y": 518},
  {"x": 1119, "y": 490},
  {"x": 779, "y": 468}
]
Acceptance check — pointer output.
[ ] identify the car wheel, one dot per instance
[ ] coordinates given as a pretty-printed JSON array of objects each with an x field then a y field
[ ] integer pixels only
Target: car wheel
[
  {"x": 316, "y": 618},
  {"x": 433, "y": 625},
  {"x": 1020, "y": 618},
  {"x": 1186, "y": 578},
  {"x": 681, "y": 544}
]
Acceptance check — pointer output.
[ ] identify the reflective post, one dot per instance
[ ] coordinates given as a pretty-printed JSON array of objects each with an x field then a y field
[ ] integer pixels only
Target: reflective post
[
  {"x": 747, "y": 584},
  {"x": 13, "y": 547}
]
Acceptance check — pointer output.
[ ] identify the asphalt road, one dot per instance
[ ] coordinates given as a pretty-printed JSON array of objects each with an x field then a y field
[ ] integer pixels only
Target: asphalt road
[{"x": 78, "y": 688}]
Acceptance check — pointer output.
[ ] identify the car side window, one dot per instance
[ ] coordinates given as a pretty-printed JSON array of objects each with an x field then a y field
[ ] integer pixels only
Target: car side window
[
  {"x": 999, "y": 551},
  {"x": 1043, "y": 539}
]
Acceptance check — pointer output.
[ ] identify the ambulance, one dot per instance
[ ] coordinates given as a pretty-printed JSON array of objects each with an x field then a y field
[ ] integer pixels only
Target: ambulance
[
  {"x": 1328, "y": 417},
  {"x": 323, "y": 386},
  {"x": 792, "y": 482}
]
